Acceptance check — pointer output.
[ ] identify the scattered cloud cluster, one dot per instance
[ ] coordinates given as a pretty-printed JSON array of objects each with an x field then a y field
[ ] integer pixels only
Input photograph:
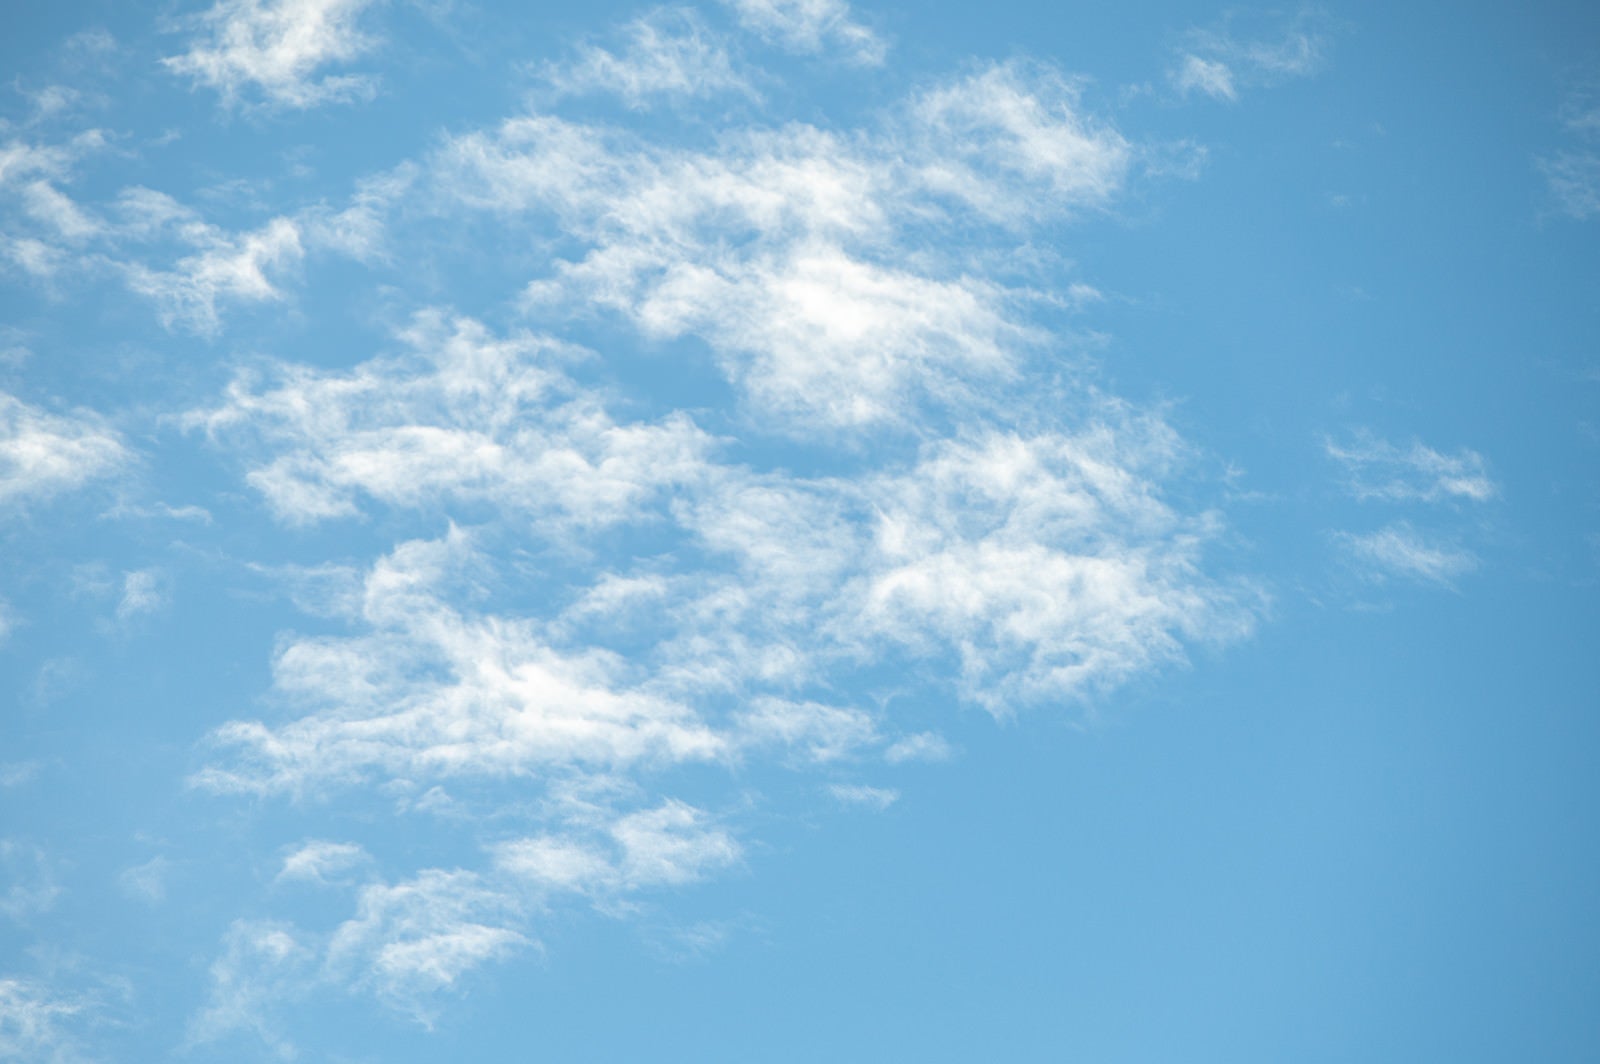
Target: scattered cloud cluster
[
  {"x": 788, "y": 250},
  {"x": 976, "y": 524}
]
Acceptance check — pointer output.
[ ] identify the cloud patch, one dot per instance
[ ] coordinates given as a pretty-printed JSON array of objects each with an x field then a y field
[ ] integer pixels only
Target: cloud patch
[
  {"x": 1377, "y": 470},
  {"x": 1243, "y": 53},
  {"x": 274, "y": 49},
  {"x": 43, "y": 455},
  {"x": 811, "y": 27}
]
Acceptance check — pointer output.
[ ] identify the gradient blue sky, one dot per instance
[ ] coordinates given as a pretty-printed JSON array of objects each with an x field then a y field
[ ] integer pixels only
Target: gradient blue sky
[{"x": 782, "y": 530}]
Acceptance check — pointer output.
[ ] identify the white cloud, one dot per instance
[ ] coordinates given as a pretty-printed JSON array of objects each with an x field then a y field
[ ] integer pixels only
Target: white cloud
[
  {"x": 810, "y": 27},
  {"x": 923, "y": 746},
  {"x": 819, "y": 732},
  {"x": 242, "y": 268},
  {"x": 146, "y": 882},
  {"x": 42, "y": 454},
  {"x": 1574, "y": 180},
  {"x": 1573, "y": 172},
  {"x": 18, "y": 773},
  {"x": 1210, "y": 76},
  {"x": 27, "y": 882},
  {"x": 276, "y": 48},
  {"x": 802, "y": 256},
  {"x": 463, "y": 416},
  {"x": 856, "y": 794},
  {"x": 981, "y": 529},
  {"x": 1398, "y": 550},
  {"x": 1015, "y": 143},
  {"x": 671, "y": 844},
  {"x": 410, "y": 940},
  {"x": 1048, "y": 565},
  {"x": 669, "y": 53},
  {"x": 321, "y": 862},
  {"x": 264, "y": 966},
  {"x": 36, "y": 1023},
  {"x": 1219, "y": 62},
  {"x": 143, "y": 591},
  {"x": 434, "y": 693},
  {"x": 1378, "y": 470}
]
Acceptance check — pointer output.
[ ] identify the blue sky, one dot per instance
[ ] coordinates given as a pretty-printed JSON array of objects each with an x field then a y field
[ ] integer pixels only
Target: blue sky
[{"x": 787, "y": 530}]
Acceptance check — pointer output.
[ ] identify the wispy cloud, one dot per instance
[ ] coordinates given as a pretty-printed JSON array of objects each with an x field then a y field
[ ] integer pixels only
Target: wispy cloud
[
  {"x": 27, "y": 881},
  {"x": 1375, "y": 469},
  {"x": 923, "y": 746},
  {"x": 143, "y": 591},
  {"x": 1572, "y": 173},
  {"x": 856, "y": 794},
  {"x": 264, "y": 967},
  {"x": 1248, "y": 52},
  {"x": 238, "y": 268},
  {"x": 669, "y": 53},
  {"x": 462, "y": 416},
  {"x": 147, "y": 882},
  {"x": 38, "y": 1024},
  {"x": 321, "y": 862},
  {"x": 276, "y": 48},
  {"x": 811, "y": 27},
  {"x": 1398, "y": 550}
]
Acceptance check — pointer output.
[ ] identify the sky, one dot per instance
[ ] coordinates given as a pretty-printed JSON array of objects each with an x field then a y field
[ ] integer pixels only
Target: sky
[{"x": 796, "y": 530}]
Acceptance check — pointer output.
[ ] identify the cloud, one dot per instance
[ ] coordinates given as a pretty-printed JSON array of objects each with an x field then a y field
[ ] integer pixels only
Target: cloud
[
  {"x": 265, "y": 965},
  {"x": 854, "y": 794},
  {"x": 1398, "y": 550},
  {"x": 818, "y": 732},
  {"x": 671, "y": 844},
  {"x": 669, "y": 53},
  {"x": 432, "y": 693},
  {"x": 231, "y": 268},
  {"x": 1212, "y": 77},
  {"x": 1220, "y": 62},
  {"x": 913, "y": 498},
  {"x": 165, "y": 250},
  {"x": 36, "y": 1023},
  {"x": 804, "y": 257},
  {"x": 321, "y": 862},
  {"x": 463, "y": 416},
  {"x": 27, "y": 882},
  {"x": 811, "y": 27},
  {"x": 1572, "y": 173},
  {"x": 923, "y": 746},
  {"x": 1574, "y": 182},
  {"x": 43, "y": 455},
  {"x": 142, "y": 592},
  {"x": 147, "y": 882},
  {"x": 410, "y": 940},
  {"x": 1375, "y": 469},
  {"x": 275, "y": 48}
]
